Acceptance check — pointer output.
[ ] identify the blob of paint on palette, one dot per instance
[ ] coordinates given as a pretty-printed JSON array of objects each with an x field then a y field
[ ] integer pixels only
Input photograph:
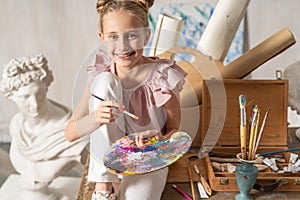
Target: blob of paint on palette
[{"x": 123, "y": 157}]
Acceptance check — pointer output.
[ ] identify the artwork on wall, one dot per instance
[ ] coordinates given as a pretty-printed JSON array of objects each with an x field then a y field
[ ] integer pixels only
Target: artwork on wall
[{"x": 195, "y": 15}]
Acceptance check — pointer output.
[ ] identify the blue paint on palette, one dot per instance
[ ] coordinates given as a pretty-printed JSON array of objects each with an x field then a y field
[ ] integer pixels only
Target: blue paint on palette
[{"x": 124, "y": 157}]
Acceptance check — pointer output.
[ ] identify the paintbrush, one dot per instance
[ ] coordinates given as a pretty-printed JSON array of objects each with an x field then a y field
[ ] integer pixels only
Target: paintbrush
[
  {"x": 261, "y": 131},
  {"x": 204, "y": 183},
  {"x": 190, "y": 177},
  {"x": 255, "y": 134},
  {"x": 279, "y": 151},
  {"x": 252, "y": 130},
  {"x": 242, "y": 102},
  {"x": 123, "y": 111}
]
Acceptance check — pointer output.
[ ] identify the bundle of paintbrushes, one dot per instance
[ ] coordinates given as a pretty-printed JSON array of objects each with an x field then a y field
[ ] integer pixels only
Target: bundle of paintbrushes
[{"x": 254, "y": 136}]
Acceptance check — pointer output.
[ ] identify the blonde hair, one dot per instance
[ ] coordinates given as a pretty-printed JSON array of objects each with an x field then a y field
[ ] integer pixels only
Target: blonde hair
[
  {"x": 22, "y": 71},
  {"x": 138, "y": 8}
]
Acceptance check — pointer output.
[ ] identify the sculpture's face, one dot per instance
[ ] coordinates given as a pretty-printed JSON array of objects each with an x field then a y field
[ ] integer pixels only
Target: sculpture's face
[{"x": 31, "y": 99}]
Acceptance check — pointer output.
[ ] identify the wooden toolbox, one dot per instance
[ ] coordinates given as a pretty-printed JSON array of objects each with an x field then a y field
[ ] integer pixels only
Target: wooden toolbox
[{"x": 221, "y": 131}]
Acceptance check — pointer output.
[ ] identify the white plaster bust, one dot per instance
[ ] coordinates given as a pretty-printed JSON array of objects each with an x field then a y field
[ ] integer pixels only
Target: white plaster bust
[
  {"x": 39, "y": 150},
  {"x": 292, "y": 74}
]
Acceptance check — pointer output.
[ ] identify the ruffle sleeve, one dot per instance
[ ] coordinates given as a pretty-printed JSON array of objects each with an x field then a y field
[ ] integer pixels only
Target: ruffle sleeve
[
  {"x": 167, "y": 77},
  {"x": 102, "y": 63}
]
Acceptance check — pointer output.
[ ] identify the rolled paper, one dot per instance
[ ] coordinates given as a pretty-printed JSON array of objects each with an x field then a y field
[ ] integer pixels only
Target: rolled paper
[
  {"x": 221, "y": 28},
  {"x": 258, "y": 55},
  {"x": 167, "y": 32}
]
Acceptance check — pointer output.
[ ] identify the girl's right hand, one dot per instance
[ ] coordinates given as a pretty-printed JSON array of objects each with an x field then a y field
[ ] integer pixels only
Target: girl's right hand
[{"x": 107, "y": 112}]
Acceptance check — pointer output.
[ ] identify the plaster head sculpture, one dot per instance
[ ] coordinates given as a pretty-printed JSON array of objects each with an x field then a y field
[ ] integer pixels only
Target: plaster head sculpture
[
  {"x": 39, "y": 150},
  {"x": 292, "y": 74},
  {"x": 25, "y": 82}
]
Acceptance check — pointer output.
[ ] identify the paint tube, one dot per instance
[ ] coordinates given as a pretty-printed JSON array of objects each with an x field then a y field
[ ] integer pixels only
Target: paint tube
[
  {"x": 202, "y": 192},
  {"x": 297, "y": 164},
  {"x": 287, "y": 169},
  {"x": 293, "y": 158},
  {"x": 231, "y": 168},
  {"x": 271, "y": 163},
  {"x": 294, "y": 167}
]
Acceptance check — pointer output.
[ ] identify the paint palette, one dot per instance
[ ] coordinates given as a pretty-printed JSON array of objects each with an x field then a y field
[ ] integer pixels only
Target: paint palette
[{"x": 124, "y": 157}]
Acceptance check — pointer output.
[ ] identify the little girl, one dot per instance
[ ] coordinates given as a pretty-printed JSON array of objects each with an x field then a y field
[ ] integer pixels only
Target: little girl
[{"x": 123, "y": 77}]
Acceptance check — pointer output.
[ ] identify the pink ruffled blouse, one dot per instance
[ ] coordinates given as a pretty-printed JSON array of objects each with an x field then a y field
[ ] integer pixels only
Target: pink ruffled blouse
[{"x": 147, "y": 98}]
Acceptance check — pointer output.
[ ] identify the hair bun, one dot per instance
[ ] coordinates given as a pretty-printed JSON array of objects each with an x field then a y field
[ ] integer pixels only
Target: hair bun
[
  {"x": 101, "y": 4},
  {"x": 147, "y": 3}
]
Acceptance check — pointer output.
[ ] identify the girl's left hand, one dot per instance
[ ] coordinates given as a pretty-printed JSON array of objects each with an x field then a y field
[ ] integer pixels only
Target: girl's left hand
[{"x": 139, "y": 139}]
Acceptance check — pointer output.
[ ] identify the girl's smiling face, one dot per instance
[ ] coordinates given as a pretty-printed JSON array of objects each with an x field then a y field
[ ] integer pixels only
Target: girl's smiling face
[{"x": 124, "y": 37}]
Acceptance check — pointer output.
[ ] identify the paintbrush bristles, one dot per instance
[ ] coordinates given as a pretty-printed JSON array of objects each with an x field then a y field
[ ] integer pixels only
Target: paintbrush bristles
[{"x": 242, "y": 100}]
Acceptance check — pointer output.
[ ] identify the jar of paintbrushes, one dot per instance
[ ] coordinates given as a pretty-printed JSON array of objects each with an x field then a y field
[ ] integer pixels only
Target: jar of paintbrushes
[{"x": 246, "y": 172}]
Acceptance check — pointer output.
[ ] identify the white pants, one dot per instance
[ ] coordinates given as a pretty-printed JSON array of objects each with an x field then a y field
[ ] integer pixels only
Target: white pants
[{"x": 138, "y": 187}]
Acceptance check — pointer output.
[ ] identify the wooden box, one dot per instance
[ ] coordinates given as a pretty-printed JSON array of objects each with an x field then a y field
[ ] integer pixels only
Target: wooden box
[{"x": 220, "y": 127}]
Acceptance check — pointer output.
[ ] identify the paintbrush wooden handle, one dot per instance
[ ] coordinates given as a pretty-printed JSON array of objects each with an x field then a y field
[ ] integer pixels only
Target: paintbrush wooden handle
[
  {"x": 252, "y": 128},
  {"x": 261, "y": 130},
  {"x": 279, "y": 151},
  {"x": 243, "y": 141},
  {"x": 191, "y": 178},
  {"x": 229, "y": 160},
  {"x": 203, "y": 181},
  {"x": 255, "y": 137},
  {"x": 206, "y": 186}
]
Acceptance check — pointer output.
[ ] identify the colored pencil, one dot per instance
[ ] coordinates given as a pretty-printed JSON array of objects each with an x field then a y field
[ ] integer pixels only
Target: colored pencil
[
  {"x": 203, "y": 181},
  {"x": 124, "y": 111},
  {"x": 182, "y": 192}
]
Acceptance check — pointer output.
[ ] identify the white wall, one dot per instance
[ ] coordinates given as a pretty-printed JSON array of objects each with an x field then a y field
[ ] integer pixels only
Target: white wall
[
  {"x": 65, "y": 31},
  {"x": 266, "y": 17}
]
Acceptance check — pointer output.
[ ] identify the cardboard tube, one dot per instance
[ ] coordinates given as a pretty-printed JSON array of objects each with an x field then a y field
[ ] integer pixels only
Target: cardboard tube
[
  {"x": 221, "y": 28},
  {"x": 167, "y": 32},
  {"x": 258, "y": 55}
]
